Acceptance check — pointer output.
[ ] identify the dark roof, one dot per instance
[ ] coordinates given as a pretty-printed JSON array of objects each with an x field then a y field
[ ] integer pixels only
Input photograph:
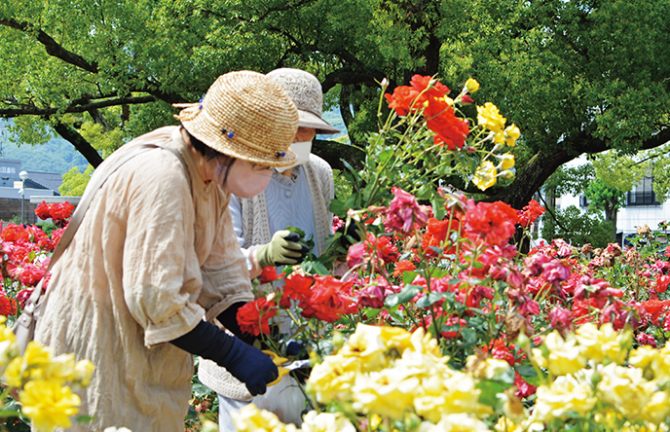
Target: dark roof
[{"x": 50, "y": 181}]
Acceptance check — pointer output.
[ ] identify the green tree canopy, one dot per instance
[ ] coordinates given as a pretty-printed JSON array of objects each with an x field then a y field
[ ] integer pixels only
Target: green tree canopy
[{"x": 577, "y": 77}]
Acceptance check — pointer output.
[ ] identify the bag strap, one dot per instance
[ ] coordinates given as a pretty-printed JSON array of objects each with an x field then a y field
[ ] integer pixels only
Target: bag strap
[{"x": 85, "y": 203}]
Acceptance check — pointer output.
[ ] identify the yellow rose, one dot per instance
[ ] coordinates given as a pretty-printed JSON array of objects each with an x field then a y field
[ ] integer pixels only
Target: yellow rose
[
  {"x": 48, "y": 405},
  {"x": 455, "y": 423},
  {"x": 565, "y": 394},
  {"x": 389, "y": 393},
  {"x": 489, "y": 117},
  {"x": 326, "y": 422},
  {"x": 506, "y": 425},
  {"x": 8, "y": 347},
  {"x": 83, "y": 372},
  {"x": 642, "y": 357},
  {"x": 625, "y": 389},
  {"x": 471, "y": 85},
  {"x": 506, "y": 161},
  {"x": 251, "y": 419},
  {"x": 512, "y": 133},
  {"x": 661, "y": 364},
  {"x": 485, "y": 176},
  {"x": 657, "y": 409},
  {"x": 367, "y": 344},
  {"x": 333, "y": 378},
  {"x": 454, "y": 395},
  {"x": 36, "y": 355},
  {"x": 60, "y": 369},
  {"x": 13, "y": 375},
  {"x": 604, "y": 344},
  {"x": 486, "y": 369},
  {"x": 565, "y": 357}
]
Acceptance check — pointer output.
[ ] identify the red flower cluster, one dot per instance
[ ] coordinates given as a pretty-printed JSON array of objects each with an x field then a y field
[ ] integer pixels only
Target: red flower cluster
[
  {"x": 530, "y": 213},
  {"x": 327, "y": 299},
  {"x": 424, "y": 92},
  {"x": 23, "y": 259},
  {"x": 254, "y": 317},
  {"x": 492, "y": 222},
  {"x": 57, "y": 212},
  {"x": 376, "y": 250},
  {"x": 436, "y": 234}
]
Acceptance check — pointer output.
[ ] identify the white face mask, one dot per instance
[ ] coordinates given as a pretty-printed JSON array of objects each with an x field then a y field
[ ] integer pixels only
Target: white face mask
[
  {"x": 302, "y": 150},
  {"x": 243, "y": 180}
]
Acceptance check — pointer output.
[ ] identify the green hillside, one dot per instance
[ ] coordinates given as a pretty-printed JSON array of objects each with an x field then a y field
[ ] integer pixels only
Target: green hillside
[
  {"x": 59, "y": 156},
  {"x": 56, "y": 156}
]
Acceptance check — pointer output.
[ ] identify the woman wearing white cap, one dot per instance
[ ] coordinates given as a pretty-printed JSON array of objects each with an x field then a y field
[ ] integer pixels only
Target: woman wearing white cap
[
  {"x": 298, "y": 195},
  {"x": 156, "y": 251}
]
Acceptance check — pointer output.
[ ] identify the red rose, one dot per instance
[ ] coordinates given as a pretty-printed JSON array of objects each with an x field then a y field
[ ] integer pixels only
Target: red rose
[
  {"x": 296, "y": 287},
  {"x": 269, "y": 274},
  {"x": 42, "y": 211},
  {"x": 254, "y": 317}
]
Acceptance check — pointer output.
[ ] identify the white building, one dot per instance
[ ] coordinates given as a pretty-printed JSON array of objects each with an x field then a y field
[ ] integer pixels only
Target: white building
[{"x": 641, "y": 207}]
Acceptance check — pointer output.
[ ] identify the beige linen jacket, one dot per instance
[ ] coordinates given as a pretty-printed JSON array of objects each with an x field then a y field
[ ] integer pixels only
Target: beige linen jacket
[{"x": 149, "y": 261}]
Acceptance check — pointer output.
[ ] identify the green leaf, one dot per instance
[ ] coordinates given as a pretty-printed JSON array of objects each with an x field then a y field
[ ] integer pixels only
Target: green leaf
[
  {"x": 403, "y": 296},
  {"x": 469, "y": 336},
  {"x": 298, "y": 231},
  {"x": 338, "y": 207},
  {"x": 84, "y": 418},
  {"x": 429, "y": 299},
  {"x": 525, "y": 370},
  {"x": 314, "y": 267},
  {"x": 476, "y": 322},
  {"x": 490, "y": 390},
  {"x": 409, "y": 276}
]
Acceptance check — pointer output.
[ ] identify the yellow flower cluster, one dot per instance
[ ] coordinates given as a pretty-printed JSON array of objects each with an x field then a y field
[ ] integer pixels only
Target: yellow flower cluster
[
  {"x": 634, "y": 393},
  {"x": 251, "y": 419},
  {"x": 604, "y": 345},
  {"x": 41, "y": 379},
  {"x": 393, "y": 373},
  {"x": 490, "y": 118}
]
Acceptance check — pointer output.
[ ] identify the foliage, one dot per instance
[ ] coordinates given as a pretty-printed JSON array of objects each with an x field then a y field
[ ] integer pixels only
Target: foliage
[
  {"x": 598, "y": 69},
  {"x": 579, "y": 228},
  {"x": 74, "y": 182}
]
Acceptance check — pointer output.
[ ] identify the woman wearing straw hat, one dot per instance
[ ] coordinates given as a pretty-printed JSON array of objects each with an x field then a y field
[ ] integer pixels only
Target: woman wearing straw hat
[
  {"x": 298, "y": 195},
  {"x": 156, "y": 252}
]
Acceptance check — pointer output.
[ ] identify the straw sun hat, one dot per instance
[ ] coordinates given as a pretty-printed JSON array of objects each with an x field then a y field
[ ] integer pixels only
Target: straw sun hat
[
  {"x": 307, "y": 94},
  {"x": 247, "y": 116}
]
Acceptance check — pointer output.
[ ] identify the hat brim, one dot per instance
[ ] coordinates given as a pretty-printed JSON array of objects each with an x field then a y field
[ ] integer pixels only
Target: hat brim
[
  {"x": 212, "y": 137},
  {"x": 308, "y": 120}
]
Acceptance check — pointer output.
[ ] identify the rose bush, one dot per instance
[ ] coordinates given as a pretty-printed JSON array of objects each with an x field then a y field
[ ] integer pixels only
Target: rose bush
[{"x": 441, "y": 323}]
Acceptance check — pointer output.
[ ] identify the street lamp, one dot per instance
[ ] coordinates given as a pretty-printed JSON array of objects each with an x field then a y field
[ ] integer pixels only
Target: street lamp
[{"x": 23, "y": 176}]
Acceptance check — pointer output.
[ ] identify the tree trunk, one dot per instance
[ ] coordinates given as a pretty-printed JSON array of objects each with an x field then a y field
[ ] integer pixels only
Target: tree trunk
[
  {"x": 611, "y": 211},
  {"x": 531, "y": 177}
]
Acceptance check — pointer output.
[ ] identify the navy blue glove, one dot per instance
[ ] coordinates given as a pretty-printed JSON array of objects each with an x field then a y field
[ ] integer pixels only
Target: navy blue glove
[{"x": 243, "y": 361}]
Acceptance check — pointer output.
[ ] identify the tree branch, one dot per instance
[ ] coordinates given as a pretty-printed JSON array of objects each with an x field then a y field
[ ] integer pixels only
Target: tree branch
[
  {"x": 52, "y": 47},
  {"x": 79, "y": 142},
  {"x": 16, "y": 112}
]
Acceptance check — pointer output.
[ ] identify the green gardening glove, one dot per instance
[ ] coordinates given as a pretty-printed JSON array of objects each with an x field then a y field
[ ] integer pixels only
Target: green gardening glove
[{"x": 283, "y": 249}]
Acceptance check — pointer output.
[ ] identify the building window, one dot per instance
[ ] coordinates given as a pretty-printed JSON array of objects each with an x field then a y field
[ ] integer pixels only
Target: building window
[
  {"x": 642, "y": 194},
  {"x": 583, "y": 201}
]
